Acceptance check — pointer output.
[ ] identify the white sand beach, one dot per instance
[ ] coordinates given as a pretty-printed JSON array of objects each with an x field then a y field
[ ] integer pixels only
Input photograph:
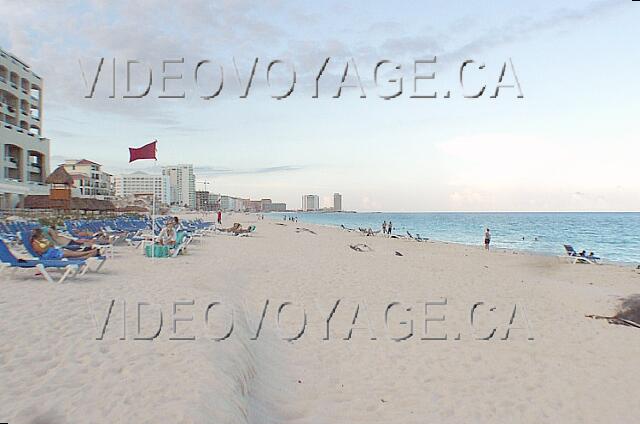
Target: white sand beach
[{"x": 574, "y": 370}]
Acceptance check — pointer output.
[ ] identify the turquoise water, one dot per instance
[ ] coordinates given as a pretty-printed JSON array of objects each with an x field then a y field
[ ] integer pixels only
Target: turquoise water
[{"x": 612, "y": 236}]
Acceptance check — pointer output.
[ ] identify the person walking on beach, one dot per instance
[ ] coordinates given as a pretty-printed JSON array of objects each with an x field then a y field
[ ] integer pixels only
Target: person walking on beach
[
  {"x": 389, "y": 228},
  {"x": 487, "y": 239},
  {"x": 384, "y": 227},
  {"x": 219, "y": 217}
]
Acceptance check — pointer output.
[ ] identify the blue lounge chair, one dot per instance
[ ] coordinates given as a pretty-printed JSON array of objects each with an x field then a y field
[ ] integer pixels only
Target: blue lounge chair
[
  {"x": 26, "y": 237},
  {"x": 575, "y": 257},
  {"x": 9, "y": 261}
]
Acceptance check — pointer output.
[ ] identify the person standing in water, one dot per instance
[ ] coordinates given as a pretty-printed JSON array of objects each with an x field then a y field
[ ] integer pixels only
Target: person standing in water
[
  {"x": 487, "y": 239},
  {"x": 384, "y": 227},
  {"x": 389, "y": 228}
]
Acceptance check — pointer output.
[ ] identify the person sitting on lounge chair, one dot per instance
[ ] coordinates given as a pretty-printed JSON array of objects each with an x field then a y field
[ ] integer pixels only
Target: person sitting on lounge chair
[
  {"x": 167, "y": 236},
  {"x": 64, "y": 241},
  {"x": 47, "y": 250},
  {"x": 177, "y": 225},
  {"x": 91, "y": 238}
]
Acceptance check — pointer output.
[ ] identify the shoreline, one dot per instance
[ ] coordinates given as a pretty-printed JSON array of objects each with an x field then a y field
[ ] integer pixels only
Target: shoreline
[{"x": 505, "y": 249}]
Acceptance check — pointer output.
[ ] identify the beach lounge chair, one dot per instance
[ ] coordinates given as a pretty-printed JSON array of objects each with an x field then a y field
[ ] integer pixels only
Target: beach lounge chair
[
  {"x": 107, "y": 248},
  {"x": 182, "y": 241},
  {"x": 26, "y": 236},
  {"x": 9, "y": 261},
  {"x": 575, "y": 257}
]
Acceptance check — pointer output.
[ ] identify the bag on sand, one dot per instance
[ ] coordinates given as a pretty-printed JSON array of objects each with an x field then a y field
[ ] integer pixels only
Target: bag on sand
[{"x": 158, "y": 251}]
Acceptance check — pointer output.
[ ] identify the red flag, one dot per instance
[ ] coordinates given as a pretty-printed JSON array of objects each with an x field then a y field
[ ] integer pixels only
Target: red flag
[{"x": 148, "y": 151}]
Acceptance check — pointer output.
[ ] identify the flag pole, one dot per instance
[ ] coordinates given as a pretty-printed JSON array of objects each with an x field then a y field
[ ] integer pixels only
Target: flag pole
[
  {"x": 153, "y": 216},
  {"x": 144, "y": 153}
]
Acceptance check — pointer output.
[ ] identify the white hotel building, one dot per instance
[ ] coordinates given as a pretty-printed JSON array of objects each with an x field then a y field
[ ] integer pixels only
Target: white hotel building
[
  {"x": 310, "y": 202},
  {"x": 25, "y": 160},
  {"x": 143, "y": 183},
  {"x": 89, "y": 179},
  {"x": 183, "y": 184}
]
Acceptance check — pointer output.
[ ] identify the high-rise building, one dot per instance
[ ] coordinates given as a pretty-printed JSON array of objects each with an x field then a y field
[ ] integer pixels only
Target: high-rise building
[
  {"x": 143, "y": 183},
  {"x": 337, "y": 202},
  {"x": 278, "y": 207},
  {"x": 202, "y": 200},
  {"x": 265, "y": 205},
  {"x": 25, "y": 160},
  {"x": 310, "y": 202},
  {"x": 89, "y": 178},
  {"x": 230, "y": 203},
  {"x": 183, "y": 184}
]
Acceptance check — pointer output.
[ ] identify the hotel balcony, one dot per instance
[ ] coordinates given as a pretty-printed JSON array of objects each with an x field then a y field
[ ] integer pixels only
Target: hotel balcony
[
  {"x": 9, "y": 101},
  {"x": 34, "y": 93},
  {"x": 10, "y": 162},
  {"x": 34, "y": 112},
  {"x": 4, "y": 108},
  {"x": 11, "y": 176},
  {"x": 10, "y": 122},
  {"x": 36, "y": 174}
]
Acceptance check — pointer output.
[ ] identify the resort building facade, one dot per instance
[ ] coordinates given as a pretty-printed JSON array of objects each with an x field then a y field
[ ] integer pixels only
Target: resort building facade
[
  {"x": 278, "y": 207},
  {"x": 142, "y": 183},
  {"x": 183, "y": 184},
  {"x": 89, "y": 178},
  {"x": 25, "y": 160}
]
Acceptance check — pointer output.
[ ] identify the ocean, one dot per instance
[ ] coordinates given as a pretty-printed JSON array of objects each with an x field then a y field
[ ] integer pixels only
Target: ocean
[{"x": 612, "y": 236}]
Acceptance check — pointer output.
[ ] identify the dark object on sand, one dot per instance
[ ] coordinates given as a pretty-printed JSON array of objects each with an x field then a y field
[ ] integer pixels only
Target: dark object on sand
[
  {"x": 361, "y": 247},
  {"x": 301, "y": 230},
  {"x": 628, "y": 312},
  {"x": 416, "y": 237},
  {"x": 368, "y": 231},
  {"x": 398, "y": 253}
]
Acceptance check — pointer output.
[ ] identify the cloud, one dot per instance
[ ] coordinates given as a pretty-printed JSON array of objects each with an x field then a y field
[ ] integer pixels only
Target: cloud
[
  {"x": 213, "y": 171},
  {"x": 42, "y": 34},
  {"x": 200, "y": 171}
]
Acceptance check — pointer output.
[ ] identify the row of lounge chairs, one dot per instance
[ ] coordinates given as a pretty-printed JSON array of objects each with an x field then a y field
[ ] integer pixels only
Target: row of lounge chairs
[{"x": 15, "y": 236}]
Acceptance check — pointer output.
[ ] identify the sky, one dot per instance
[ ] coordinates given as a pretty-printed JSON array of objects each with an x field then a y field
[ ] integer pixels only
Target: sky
[{"x": 570, "y": 143}]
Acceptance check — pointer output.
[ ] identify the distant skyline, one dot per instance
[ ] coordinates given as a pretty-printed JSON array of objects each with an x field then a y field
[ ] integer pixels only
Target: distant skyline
[{"x": 571, "y": 144}]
